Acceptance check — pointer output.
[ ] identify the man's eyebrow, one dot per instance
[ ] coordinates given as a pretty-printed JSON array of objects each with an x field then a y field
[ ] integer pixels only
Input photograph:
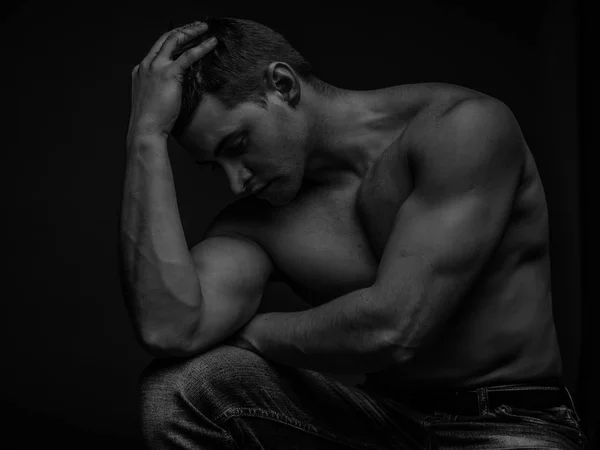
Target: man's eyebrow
[{"x": 221, "y": 145}]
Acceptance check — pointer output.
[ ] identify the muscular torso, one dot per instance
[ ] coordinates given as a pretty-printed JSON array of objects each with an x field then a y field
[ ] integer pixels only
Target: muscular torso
[{"x": 328, "y": 241}]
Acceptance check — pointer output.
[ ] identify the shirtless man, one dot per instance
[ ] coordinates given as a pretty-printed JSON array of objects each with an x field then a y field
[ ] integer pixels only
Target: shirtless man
[{"x": 411, "y": 218}]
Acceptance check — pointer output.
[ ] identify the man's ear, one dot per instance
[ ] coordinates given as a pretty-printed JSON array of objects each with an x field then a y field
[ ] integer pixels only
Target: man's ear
[{"x": 281, "y": 78}]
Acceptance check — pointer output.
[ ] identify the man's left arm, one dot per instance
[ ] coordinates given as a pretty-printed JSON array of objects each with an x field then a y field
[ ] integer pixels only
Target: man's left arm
[{"x": 465, "y": 179}]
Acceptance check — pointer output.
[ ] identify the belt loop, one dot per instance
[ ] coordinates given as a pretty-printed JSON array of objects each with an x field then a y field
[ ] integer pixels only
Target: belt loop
[{"x": 483, "y": 401}]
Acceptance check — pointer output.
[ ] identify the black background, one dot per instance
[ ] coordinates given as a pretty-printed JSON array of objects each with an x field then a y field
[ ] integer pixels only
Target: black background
[{"x": 70, "y": 362}]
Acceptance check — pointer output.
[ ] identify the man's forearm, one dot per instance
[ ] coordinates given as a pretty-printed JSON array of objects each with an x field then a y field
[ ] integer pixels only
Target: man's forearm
[
  {"x": 160, "y": 284},
  {"x": 344, "y": 335}
]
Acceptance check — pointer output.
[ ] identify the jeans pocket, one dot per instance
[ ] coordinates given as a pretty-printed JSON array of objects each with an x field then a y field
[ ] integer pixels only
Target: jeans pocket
[
  {"x": 559, "y": 415},
  {"x": 560, "y": 418}
]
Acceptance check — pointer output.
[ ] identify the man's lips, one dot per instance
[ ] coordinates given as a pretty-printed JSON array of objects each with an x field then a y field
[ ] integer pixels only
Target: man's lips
[
  {"x": 252, "y": 190},
  {"x": 260, "y": 190}
]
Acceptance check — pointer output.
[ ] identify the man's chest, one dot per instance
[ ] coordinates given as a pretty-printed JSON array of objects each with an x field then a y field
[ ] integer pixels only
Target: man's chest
[{"x": 329, "y": 240}]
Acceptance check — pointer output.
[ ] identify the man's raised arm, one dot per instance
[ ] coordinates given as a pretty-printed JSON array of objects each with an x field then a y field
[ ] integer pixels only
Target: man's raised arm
[
  {"x": 177, "y": 300},
  {"x": 181, "y": 302},
  {"x": 159, "y": 281}
]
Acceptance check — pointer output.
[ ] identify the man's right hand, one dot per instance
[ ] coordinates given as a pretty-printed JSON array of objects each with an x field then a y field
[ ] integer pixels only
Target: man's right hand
[{"x": 156, "y": 81}]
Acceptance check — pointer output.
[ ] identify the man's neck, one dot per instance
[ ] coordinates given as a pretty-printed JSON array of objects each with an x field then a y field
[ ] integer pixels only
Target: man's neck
[{"x": 349, "y": 131}]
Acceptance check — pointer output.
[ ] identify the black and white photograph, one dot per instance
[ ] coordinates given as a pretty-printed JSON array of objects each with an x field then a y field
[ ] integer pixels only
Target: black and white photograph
[{"x": 295, "y": 225}]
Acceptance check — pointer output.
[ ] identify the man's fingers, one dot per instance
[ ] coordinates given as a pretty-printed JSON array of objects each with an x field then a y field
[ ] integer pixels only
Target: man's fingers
[
  {"x": 180, "y": 37},
  {"x": 194, "y": 54},
  {"x": 155, "y": 48},
  {"x": 173, "y": 34}
]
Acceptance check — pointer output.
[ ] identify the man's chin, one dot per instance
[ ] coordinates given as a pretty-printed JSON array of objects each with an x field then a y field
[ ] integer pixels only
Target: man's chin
[
  {"x": 278, "y": 194},
  {"x": 279, "y": 203},
  {"x": 279, "y": 199}
]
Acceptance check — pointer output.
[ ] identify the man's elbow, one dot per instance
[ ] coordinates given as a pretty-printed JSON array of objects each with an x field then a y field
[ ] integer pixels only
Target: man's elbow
[
  {"x": 402, "y": 355},
  {"x": 396, "y": 348},
  {"x": 160, "y": 345}
]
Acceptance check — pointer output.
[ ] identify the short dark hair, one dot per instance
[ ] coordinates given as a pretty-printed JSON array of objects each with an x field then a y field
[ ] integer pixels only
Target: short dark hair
[{"x": 234, "y": 70}]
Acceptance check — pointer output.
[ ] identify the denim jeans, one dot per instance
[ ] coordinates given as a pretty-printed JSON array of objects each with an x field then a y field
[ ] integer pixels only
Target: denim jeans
[{"x": 229, "y": 398}]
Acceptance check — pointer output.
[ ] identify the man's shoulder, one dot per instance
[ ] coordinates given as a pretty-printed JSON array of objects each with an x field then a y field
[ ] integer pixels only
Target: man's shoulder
[
  {"x": 472, "y": 137},
  {"x": 450, "y": 124}
]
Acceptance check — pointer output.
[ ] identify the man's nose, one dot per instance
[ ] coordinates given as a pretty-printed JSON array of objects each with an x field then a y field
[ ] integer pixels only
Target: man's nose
[{"x": 238, "y": 177}]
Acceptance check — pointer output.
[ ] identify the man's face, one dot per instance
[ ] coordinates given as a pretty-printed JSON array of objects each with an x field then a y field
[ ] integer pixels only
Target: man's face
[{"x": 255, "y": 146}]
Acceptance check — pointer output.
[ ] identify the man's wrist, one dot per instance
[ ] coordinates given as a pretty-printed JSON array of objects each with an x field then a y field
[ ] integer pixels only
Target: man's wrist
[
  {"x": 146, "y": 139},
  {"x": 243, "y": 339}
]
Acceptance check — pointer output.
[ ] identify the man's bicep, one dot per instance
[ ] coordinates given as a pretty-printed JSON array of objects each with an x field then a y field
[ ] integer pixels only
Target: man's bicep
[
  {"x": 231, "y": 266},
  {"x": 233, "y": 272},
  {"x": 465, "y": 180},
  {"x": 451, "y": 223}
]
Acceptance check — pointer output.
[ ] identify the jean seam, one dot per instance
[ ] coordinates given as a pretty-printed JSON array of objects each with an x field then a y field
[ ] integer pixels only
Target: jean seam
[
  {"x": 228, "y": 435},
  {"x": 289, "y": 421}
]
